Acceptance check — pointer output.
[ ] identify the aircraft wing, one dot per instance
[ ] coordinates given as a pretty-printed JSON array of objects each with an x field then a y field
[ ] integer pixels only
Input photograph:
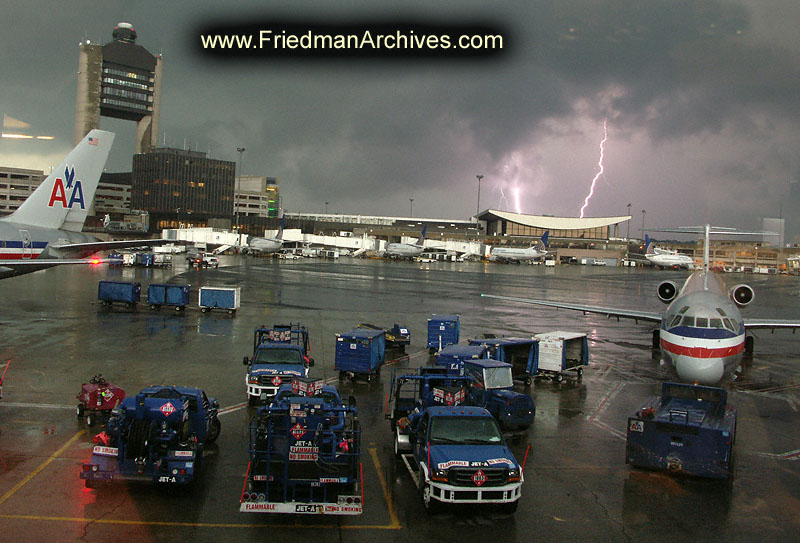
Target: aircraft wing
[
  {"x": 94, "y": 246},
  {"x": 646, "y": 316},
  {"x": 770, "y": 324}
]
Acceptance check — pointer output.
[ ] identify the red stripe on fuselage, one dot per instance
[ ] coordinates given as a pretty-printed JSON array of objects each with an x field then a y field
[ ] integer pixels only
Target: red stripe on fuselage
[
  {"x": 19, "y": 256},
  {"x": 702, "y": 352}
]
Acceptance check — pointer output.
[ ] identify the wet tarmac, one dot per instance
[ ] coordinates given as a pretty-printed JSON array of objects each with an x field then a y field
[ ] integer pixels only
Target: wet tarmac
[{"x": 577, "y": 486}]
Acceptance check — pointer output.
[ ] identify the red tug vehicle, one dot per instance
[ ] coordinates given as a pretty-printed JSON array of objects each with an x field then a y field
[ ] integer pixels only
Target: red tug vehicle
[{"x": 97, "y": 398}]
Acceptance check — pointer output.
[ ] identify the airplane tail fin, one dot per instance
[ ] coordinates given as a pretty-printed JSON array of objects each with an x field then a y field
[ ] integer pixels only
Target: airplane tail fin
[
  {"x": 63, "y": 199},
  {"x": 541, "y": 245},
  {"x": 283, "y": 224},
  {"x": 649, "y": 246},
  {"x": 422, "y": 234}
]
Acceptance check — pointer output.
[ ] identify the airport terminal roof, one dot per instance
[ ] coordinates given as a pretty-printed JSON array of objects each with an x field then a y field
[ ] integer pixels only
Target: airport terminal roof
[{"x": 552, "y": 223}]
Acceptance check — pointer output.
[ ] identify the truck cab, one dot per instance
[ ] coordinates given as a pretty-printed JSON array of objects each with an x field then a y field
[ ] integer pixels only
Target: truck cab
[
  {"x": 492, "y": 388},
  {"x": 280, "y": 354},
  {"x": 458, "y": 456}
]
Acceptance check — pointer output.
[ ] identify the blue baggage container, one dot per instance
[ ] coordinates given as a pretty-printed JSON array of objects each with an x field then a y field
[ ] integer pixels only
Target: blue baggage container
[
  {"x": 172, "y": 295},
  {"x": 453, "y": 356},
  {"x": 443, "y": 330},
  {"x": 125, "y": 292},
  {"x": 227, "y": 298},
  {"x": 360, "y": 352}
]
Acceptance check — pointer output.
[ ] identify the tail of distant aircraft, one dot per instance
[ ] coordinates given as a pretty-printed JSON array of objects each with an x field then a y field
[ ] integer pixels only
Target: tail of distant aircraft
[
  {"x": 63, "y": 199},
  {"x": 542, "y": 243},
  {"x": 422, "y": 234},
  {"x": 280, "y": 230},
  {"x": 649, "y": 246}
]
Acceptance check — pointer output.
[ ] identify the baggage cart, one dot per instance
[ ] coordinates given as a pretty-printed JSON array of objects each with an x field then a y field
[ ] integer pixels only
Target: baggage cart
[
  {"x": 126, "y": 292},
  {"x": 561, "y": 352},
  {"x": 228, "y": 298},
  {"x": 360, "y": 352},
  {"x": 521, "y": 353},
  {"x": 176, "y": 296},
  {"x": 443, "y": 330}
]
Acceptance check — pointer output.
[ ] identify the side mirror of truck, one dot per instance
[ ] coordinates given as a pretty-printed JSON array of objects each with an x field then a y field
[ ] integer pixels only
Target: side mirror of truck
[{"x": 246, "y": 361}]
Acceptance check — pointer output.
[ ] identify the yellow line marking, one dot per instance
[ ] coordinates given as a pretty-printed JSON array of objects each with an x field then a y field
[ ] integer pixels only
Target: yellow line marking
[
  {"x": 395, "y": 525},
  {"x": 35, "y": 472}
]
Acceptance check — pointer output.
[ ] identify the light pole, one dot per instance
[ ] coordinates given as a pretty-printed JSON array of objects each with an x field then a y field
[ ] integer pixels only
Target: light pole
[
  {"x": 411, "y": 207},
  {"x": 479, "y": 195},
  {"x": 238, "y": 188},
  {"x": 643, "y": 214},
  {"x": 326, "y": 208},
  {"x": 629, "y": 223}
]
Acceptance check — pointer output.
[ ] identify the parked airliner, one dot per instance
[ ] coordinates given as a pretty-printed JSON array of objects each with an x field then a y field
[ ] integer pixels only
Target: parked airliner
[
  {"x": 45, "y": 230},
  {"x": 517, "y": 254},
  {"x": 407, "y": 250},
  {"x": 702, "y": 333},
  {"x": 665, "y": 258},
  {"x": 267, "y": 245}
]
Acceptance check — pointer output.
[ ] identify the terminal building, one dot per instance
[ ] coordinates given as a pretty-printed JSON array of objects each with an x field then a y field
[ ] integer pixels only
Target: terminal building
[{"x": 182, "y": 188}]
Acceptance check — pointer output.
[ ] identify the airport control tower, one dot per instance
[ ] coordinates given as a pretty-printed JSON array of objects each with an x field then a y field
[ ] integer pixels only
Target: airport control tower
[{"x": 121, "y": 80}]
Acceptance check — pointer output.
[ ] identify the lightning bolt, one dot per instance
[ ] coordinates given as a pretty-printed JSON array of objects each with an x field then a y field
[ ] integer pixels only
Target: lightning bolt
[
  {"x": 516, "y": 192},
  {"x": 599, "y": 163},
  {"x": 502, "y": 197}
]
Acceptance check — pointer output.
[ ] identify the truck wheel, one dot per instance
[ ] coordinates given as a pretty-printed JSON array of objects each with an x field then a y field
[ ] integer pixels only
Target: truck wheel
[
  {"x": 342, "y": 375},
  {"x": 580, "y": 373},
  {"x": 203, "y": 310},
  {"x": 559, "y": 378},
  {"x": 528, "y": 380},
  {"x": 213, "y": 432},
  {"x": 251, "y": 400},
  {"x": 397, "y": 452},
  {"x": 231, "y": 312},
  {"x": 129, "y": 305},
  {"x": 90, "y": 484},
  {"x": 90, "y": 419},
  {"x": 79, "y": 410},
  {"x": 431, "y": 505}
]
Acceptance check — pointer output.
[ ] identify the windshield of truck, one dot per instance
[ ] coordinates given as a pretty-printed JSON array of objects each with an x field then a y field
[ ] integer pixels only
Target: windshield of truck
[
  {"x": 278, "y": 356},
  {"x": 497, "y": 377},
  {"x": 465, "y": 430}
]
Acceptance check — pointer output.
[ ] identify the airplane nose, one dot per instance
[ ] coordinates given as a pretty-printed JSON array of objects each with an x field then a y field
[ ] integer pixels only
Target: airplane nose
[{"x": 703, "y": 371}]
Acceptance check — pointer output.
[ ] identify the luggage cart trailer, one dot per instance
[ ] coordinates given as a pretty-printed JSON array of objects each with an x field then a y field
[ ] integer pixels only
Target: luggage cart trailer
[
  {"x": 561, "y": 352},
  {"x": 521, "y": 353}
]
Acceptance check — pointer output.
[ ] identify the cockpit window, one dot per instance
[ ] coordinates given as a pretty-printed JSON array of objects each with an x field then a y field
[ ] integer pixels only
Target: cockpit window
[
  {"x": 687, "y": 321},
  {"x": 715, "y": 323},
  {"x": 729, "y": 324},
  {"x": 702, "y": 322},
  {"x": 721, "y": 312},
  {"x": 683, "y": 310},
  {"x": 675, "y": 320}
]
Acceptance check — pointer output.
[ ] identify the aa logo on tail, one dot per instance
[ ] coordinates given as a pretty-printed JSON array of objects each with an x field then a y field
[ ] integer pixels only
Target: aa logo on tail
[{"x": 73, "y": 187}]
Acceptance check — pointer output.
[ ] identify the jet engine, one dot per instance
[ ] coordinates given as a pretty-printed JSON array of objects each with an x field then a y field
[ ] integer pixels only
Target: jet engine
[
  {"x": 741, "y": 295},
  {"x": 667, "y": 290}
]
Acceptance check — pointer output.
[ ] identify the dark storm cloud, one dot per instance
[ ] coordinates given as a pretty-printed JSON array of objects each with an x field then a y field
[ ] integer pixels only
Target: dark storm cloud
[{"x": 677, "y": 81}]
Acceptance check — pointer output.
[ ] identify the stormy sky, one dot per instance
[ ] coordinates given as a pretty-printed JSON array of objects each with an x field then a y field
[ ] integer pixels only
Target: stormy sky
[{"x": 701, "y": 100}]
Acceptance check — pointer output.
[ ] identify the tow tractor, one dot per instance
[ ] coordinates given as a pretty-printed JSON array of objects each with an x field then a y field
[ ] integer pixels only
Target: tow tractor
[
  {"x": 397, "y": 337},
  {"x": 97, "y": 398},
  {"x": 158, "y": 435},
  {"x": 689, "y": 429},
  {"x": 305, "y": 450},
  {"x": 280, "y": 354}
]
